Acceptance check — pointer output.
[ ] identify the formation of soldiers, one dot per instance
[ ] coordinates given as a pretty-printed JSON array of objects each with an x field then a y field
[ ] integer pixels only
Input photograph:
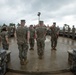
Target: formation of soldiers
[
  {"x": 69, "y": 32},
  {"x": 26, "y": 37}
]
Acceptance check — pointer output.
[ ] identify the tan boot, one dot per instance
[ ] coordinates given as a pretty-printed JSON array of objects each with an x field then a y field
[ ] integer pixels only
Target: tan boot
[
  {"x": 40, "y": 57},
  {"x": 54, "y": 48},
  {"x": 32, "y": 48},
  {"x": 25, "y": 61},
  {"x": 21, "y": 62}
]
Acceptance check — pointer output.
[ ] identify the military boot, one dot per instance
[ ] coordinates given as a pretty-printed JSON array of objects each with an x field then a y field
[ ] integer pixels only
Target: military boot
[
  {"x": 32, "y": 48},
  {"x": 54, "y": 48},
  {"x": 25, "y": 61},
  {"x": 22, "y": 62},
  {"x": 40, "y": 57}
]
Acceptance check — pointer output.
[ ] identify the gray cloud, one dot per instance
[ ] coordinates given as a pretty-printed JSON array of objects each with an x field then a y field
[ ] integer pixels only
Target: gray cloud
[{"x": 14, "y": 10}]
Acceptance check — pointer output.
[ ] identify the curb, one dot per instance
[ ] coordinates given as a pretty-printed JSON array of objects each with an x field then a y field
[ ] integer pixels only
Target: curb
[{"x": 38, "y": 72}]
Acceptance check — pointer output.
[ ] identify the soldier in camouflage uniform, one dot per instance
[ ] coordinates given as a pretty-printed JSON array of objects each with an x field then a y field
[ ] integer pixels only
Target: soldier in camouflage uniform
[
  {"x": 63, "y": 30},
  {"x": 54, "y": 36},
  {"x": 0, "y": 37},
  {"x": 22, "y": 41},
  {"x": 32, "y": 36},
  {"x": 73, "y": 32},
  {"x": 68, "y": 31},
  {"x": 9, "y": 31},
  {"x": 4, "y": 38},
  {"x": 41, "y": 34}
]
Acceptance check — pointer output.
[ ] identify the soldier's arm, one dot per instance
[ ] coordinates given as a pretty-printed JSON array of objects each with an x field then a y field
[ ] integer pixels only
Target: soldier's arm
[
  {"x": 6, "y": 36},
  {"x": 28, "y": 35},
  {"x": 7, "y": 40},
  {"x": 58, "y": 31},
  {"x": 45, "y": 31},
  {"x": 0, "y": 37},
  {"x": 34, "y": 34},
  {"x": 15, "y": 32},
  {"x": 15, "y": 35}
]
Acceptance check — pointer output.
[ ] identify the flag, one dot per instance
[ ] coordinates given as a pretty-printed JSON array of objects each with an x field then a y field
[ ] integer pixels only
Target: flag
[{"x": 38, "y": 13}]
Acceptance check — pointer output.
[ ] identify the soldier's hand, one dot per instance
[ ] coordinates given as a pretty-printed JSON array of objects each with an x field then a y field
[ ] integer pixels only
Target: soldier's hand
[
  {"x": 28, "y": 42},
  {"x": 8, "y": 43},
  {"x": 57, "y": 34}
]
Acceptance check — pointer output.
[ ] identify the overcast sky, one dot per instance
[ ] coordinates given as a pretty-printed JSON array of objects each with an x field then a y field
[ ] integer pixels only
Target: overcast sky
[{"x": 60, "y": 11}]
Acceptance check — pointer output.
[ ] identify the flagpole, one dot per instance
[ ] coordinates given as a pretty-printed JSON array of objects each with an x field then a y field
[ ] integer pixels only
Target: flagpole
[{"x": 39, "y": 13}]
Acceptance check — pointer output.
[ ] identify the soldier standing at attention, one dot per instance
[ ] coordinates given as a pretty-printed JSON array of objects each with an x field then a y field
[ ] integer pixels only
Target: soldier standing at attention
[
  {"x": 63, "y": 30},
  {"x": 9, "y": 31},
  {"x": 22, "y": 41},
  {"x": 73, "y": 32},
  {"x": 54, "y": 35},
  {"x": 69, "y": 31},
  {"x": 40, "y": 34},
  {"x": 32, "y": 36},
  {"x": 4, "y": 38}
]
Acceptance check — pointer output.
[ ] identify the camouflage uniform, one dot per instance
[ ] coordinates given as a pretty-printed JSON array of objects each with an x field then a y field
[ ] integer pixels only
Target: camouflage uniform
[
  {"x": 54, "y": 37},
  {"x": 32, "y": 36},
  {"x": 63, "y": 31},
  {"x": 73, "y": 32},
  {"x": 68, "y": 31},
  {"x": 0, "y": 37},
  {"x": 9, "y": 31},
  {"x": 22, "y": 33},
  {"x": 40, "y": 31},
  {"x": 13, "y": 30},
  {"x": 5, "y": 45}
]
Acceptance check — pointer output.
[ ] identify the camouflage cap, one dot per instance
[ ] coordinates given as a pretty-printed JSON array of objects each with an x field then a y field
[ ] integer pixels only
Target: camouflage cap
[
  {"x": 41, "y": 22},
  {"x": 3, "y": 29},
  {"x": 23, "y": 21},
  {"x": 31, "y": 25},
  {"x": 73, "y": 25},
  {"x": 54, "y": 22}
]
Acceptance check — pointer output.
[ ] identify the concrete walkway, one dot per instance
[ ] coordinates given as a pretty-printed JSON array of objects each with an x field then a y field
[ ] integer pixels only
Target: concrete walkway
[{"x": 52, "y": 62}]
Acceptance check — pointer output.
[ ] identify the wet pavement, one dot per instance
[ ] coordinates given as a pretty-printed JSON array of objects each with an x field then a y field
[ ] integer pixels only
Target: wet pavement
[{"x": 53, "y": 61}]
